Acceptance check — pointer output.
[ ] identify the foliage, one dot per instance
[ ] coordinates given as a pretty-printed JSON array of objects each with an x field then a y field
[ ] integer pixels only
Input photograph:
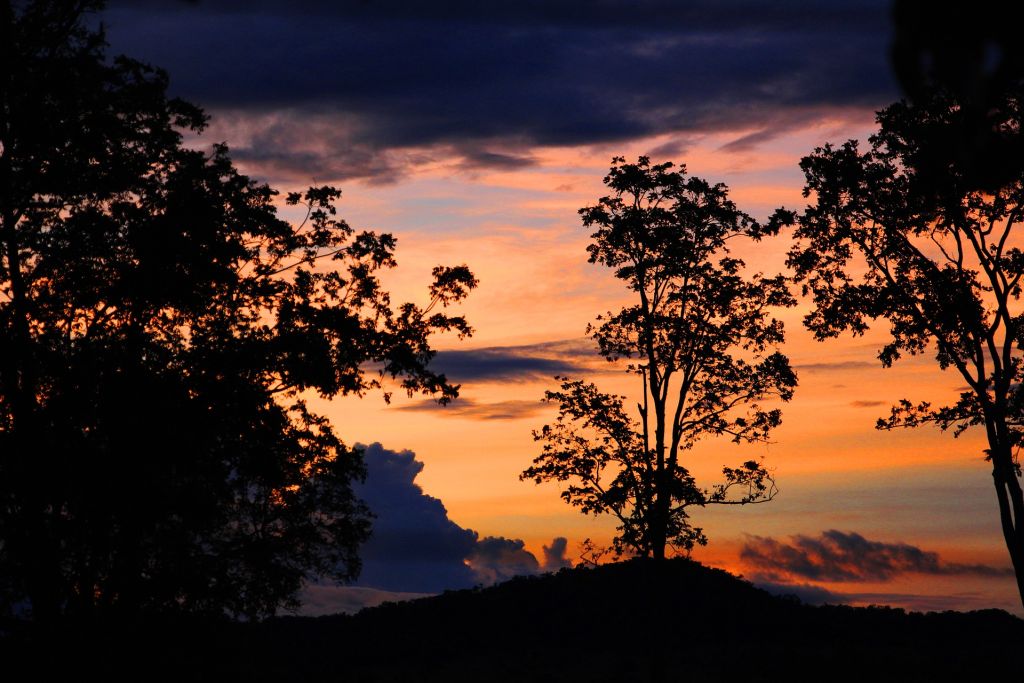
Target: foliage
[
  {"x": 701, "y": 338},
  {"x": 939, "y": 261},
  {"x": 160, "y": 327}
]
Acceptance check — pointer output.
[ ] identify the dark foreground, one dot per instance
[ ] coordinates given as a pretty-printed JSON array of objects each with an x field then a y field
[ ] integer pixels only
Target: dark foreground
[{"x": 627, "y": 622}]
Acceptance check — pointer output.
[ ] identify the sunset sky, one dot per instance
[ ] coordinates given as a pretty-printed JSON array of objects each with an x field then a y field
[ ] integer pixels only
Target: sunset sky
[{"x": 474, "y": 132}]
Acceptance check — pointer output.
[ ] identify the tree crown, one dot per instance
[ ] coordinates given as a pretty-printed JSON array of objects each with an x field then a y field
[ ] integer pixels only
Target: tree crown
[
  {"x": 160, "y": 328},
  {"x": 701, "y": 337}
]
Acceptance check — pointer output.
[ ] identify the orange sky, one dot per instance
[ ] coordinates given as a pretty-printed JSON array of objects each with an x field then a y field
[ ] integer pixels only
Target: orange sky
[{"x": 519, "y": 232}]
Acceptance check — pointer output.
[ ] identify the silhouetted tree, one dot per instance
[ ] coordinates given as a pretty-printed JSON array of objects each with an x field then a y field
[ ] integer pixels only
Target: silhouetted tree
[
  {"x": 160, "y": 327},
  {"x": 939, "y": 260},
  {"x": 701, "y": 339}
]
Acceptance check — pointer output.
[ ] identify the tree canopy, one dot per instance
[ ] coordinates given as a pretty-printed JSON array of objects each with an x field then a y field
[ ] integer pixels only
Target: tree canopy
[
  {"x": 702, "y": 341},
  {"x": 885, "y": 238},
  {"x": 160, "y": 328}
]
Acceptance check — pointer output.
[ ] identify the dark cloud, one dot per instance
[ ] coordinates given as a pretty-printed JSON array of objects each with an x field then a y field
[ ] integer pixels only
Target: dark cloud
[
  {"x": 470, "y": 409},
  {"x": 489, "y": 81},
  {"x": 496, "y": 558},
  {"x": 867, "y": 404},
  {"x": 841, "y": 556},
  {"x": 515, "y": 363},
  {"x": 306, "y": 146},
  {"x": 554, "y": 555},
  {"x": 747, "y": 14},
  {"x": 415, "y": 548}
]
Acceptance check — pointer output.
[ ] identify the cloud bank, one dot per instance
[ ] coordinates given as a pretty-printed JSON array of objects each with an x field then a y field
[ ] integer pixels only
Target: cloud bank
[
  {"x": 381, "y": 87},
  {"x": 415, "y": 549},
  {"x": 847, "y": 556},
  {"x": 414, "y": 546}
]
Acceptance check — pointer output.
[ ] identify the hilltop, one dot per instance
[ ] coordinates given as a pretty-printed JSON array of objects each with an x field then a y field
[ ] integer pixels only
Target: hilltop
[
  {"x": 636, "y": 621},
  {"x": 633, "y": 621}
]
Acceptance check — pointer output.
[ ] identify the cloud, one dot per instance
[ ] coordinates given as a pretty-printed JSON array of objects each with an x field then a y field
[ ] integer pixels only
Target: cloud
[
  {"x": 516, "y": 363},
  {"x": 496, "y": 364},
  {"x": 299, "y": 145},
  {"x": 488, "y": 82},
  {"x": 867, "y": 404},
  {"x": 842, "y": 556},
  {"x": 415, "y": 548},
  {"x": 496, "y": 559},
  {"x": 554, "y": 555},
  {"x": 770, "y": 130},
  {"x": 483, "y": 159},
  {"x": 673, "y": 149},
  {"x": 469, "y": 409}
]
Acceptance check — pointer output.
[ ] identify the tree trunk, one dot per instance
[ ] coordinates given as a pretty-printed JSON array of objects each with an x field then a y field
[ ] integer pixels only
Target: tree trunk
[
  {"x": 662, "y": 492},
  {"x": 662, "y": 503},
  {"x": 1011, "y": 515},
  {"x": 658, "y": 540}
]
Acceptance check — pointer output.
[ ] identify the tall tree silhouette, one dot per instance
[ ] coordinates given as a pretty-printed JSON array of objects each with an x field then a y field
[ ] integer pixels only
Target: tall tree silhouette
[
  {"x": 939, "y": 259},
  {"x": 160, "y": 326},
  {"x": 701, "y": 340}
]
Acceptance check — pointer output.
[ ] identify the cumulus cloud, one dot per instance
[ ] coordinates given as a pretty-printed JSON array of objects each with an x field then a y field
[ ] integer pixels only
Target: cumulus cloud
[
  {"x": 496, "y": 559},
  {"x": 415, "y": 548},
  {"x": 489, "y": 82},
  {"x": 847, "y": 556},
  {"x": 554, "y": 555}
]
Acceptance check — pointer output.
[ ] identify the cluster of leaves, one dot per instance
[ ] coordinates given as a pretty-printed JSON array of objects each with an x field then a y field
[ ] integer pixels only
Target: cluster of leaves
[
  {"x": 701, "y": 338},
  {"x": 160, "y": 326}
]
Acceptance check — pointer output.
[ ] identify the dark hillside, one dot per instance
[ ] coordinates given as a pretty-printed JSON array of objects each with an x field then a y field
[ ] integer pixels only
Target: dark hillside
[
  {"x": 634, "y": 621},
  {"x": 637, "y": 621}
]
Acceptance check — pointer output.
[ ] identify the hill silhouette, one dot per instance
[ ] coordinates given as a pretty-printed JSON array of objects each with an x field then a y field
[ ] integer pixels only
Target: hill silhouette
[{"x": 632, "y": 621}]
